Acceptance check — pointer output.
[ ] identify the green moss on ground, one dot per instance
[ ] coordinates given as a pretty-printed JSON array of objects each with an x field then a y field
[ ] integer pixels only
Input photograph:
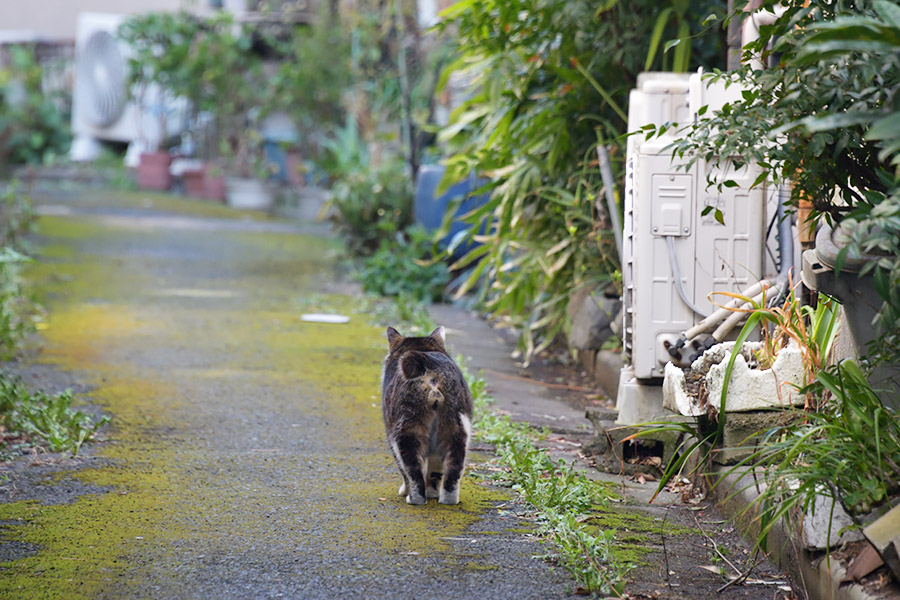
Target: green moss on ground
[
  {"x": 104, "y": 314},
  {"x": 637, "y": 534}
]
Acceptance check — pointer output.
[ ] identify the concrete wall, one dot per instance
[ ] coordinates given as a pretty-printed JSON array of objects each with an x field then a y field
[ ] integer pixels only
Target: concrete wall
[{"x": 55, "y": 19}]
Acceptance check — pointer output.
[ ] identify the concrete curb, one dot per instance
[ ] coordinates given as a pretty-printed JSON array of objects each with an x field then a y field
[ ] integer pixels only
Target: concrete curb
[{"x": 811, "y": 571}]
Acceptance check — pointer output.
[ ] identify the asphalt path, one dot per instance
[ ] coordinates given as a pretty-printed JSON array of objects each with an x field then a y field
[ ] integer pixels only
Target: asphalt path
[{"x": 246, "y": 456}]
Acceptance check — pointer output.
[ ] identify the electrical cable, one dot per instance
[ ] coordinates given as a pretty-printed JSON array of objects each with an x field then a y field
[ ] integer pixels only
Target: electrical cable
[{"x": 673, "y": 264}]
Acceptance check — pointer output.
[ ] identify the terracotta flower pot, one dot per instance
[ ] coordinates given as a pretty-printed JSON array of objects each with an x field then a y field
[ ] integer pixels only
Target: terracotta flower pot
[
  {"x": 153, "y": 171},
  {"x": 214, "y": 187},
  {"x": 195, "y": 182}
]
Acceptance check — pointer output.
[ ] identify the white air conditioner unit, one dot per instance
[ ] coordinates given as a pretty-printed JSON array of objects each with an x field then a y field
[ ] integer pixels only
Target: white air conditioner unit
[
  {"x": 665, "y": 233},
  {"x": 103, "y": 107}
]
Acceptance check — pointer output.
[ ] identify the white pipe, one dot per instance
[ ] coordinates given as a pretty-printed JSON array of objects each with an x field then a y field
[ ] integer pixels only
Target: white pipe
[
  {"x": 730, "y": 323},
  {"x": 715, "y": 318},
  {"x": 750, "y": 30},
  {"x": 609, "y": 183}
]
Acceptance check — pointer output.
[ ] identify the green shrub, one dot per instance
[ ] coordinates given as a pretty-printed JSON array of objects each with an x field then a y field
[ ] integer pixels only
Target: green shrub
[
  {"x": 401, "y": 266},
  {"x": 17, "y": 310},
  {"x": 33, "y": 124},
  {"x": 550, "y": 81},
  {"x": 371, "y": 205},
  {"x": 44, "y": 419}
]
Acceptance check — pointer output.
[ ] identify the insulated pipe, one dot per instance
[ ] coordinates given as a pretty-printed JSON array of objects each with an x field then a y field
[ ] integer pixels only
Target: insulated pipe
[
  {"x": 750, "y": 30},
  {"x": 717, "y": 317},
  {"x": 676, "y": 277},
  {"x": 730, "y": 323},
  {"x": 609, "y": 183}
]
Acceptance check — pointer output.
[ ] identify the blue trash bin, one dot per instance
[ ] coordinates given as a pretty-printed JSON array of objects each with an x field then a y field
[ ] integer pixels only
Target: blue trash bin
[{"x": 430, "y": 210}]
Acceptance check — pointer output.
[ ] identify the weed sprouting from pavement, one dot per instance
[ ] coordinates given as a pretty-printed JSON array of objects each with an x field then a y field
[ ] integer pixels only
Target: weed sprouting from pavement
[
  {"x": 27, "y": 417},
  {"x": 560, "y": 494}
]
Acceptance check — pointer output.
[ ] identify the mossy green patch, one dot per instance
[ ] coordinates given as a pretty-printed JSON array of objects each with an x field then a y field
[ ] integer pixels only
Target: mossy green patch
[
  {"x": 186, "y": 376},
  {"x": 637, "y": 534},
  {"x": 426, "y": 529},
  {"x": 475, "y": 567},
  {"x": 145, "y": 200}
]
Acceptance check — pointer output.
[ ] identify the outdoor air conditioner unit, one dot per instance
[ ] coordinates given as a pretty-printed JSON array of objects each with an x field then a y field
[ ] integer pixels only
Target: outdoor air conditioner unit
[
  {"x": 103, "y": 107},
  {"x": 665, "y": 233}
]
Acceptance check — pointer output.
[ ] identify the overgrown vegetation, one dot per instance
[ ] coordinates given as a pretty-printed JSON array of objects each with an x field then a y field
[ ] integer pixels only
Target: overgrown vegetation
[
  {"x": 842, "y": 445},
  {"x": 549, "y": 84},
  {"x": 371, "y": 204},
  {"x": 17, "y": 310},
  {"x": 558, "y": 492},
  {"x": 27, "y": 418},
  {"x": 399, "y": 267},
  {"x": 847, "y": 452},
  {"x": 34, "y": 122},
  {"x": 41, "y": 419}
]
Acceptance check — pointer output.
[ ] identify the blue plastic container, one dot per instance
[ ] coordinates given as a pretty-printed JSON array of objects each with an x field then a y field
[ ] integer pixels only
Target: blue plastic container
[{"x": 430, "y": 210}]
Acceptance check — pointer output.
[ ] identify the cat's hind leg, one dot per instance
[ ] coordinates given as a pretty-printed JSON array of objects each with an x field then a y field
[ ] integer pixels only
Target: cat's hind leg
[
  {"x": 455, "y": 462},
  {"x": 409, "y": 450},
  {"x": 404, "y": 485}
]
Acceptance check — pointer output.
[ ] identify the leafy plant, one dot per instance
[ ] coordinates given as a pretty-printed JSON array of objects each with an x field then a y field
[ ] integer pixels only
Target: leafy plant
[
  {"x": 309, "y": 88},
  {"x": 16, "y": 310},
  {"x": 800, "y": 120},
  {"x": 371, "y": 205},
  {"x": 401, "y": 266},
  {"x": 550, "y": 80},
  {"x": 849, "y": 452},
  {"x": 34, "y": 125},
  {"x": 559, "y": 493},
  {"x": 226, "y": 77},
  {"x": 44, "y": 418},
  {"x": 813, "y": 329},
  {"x": 17, "y": 215},
  {"x": 160, "y": 65}
]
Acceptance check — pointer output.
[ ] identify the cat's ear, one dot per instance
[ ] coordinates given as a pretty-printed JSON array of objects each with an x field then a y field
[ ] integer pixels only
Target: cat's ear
[
  {"x": 438, "y": 334},
  {"x": 393, "y": 337}
]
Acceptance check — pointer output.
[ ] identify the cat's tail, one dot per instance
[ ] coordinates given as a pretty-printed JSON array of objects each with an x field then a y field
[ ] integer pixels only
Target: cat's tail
[{"x": 415, "y": 364}]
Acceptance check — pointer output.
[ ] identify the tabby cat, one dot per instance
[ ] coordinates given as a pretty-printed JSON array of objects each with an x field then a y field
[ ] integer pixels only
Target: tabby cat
[{"x": 427, "y": 409}]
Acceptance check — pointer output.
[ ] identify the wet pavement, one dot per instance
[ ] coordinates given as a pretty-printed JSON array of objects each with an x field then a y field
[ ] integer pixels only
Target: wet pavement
[{"x": 246, "y": 456}]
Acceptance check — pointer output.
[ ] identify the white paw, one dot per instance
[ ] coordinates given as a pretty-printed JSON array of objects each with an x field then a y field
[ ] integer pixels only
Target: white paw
[
  {"x": 415, "y": 499},
  {"x": 449, "y": 497},
  {"x": 402, "y": 490}
]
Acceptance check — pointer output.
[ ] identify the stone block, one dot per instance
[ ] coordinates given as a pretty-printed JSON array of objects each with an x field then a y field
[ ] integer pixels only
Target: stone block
[
  {"x": 884, "y": 534},
  {"x": 738, "y": 428},
  {"x": 814, "y": 532},
  {"x": 638, "y": 402},
  {"x": 750, "y": 389},
  {"x": 607, "y": 367},
  {"x": 591, "y": 320}
]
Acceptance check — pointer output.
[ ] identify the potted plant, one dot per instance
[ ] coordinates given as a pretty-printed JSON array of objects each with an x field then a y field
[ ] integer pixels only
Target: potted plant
[
  {"x": 311, "y": 90},
  {"x": 233, "y": 84},
  {"x": 159, "y": 43}
]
